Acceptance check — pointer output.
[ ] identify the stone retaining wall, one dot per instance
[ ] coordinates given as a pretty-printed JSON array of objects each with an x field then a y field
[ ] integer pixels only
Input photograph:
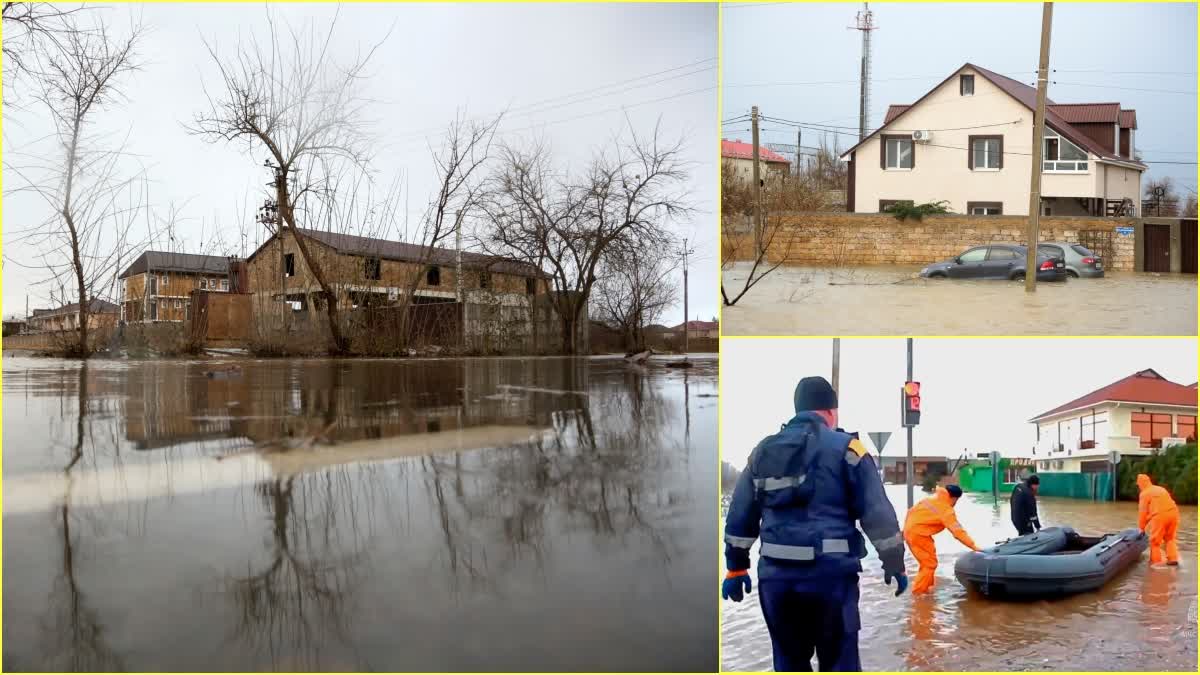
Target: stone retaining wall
[{"x": 835, "y": 239}]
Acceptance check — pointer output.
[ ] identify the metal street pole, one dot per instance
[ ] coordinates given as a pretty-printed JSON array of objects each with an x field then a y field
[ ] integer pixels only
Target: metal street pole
[
  {"x": 1035, "y": 173},
  {"x": 908, "y": 469},
  {"x": 686, "y": 251},
  {"x": 837, "y": 362}
]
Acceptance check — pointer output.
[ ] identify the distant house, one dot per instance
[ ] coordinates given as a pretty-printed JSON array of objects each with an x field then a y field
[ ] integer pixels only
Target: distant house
[
  {"x": 895, "y": 467},
  {"x": 1135, "y": 416},
  {"x": 740, "y": 156},
  {"x": 968, "y": 142},
  {"x": 101, "y": 314},
  {"x": 157, "y": 286},
  {"x": 699, "y": 329},
  {"x": 13, "y": 326}
]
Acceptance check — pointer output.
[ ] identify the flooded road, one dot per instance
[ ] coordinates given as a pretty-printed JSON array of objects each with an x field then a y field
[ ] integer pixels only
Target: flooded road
[
  {"x": 888, "y": 301},
  {"x": 1144, "y": 620},
  {"x": 437, "y": 515}
]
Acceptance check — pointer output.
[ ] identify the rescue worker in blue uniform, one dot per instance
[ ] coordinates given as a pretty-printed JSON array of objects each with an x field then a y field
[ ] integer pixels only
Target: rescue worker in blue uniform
[{"x": 801, "y": 493}]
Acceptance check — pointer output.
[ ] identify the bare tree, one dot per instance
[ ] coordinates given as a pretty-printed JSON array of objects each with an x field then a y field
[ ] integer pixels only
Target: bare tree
[
  {"x": 570, "y": 223},
  {"x": 31, "y": 31},
  {"x": 635, "y": 287},
  {"x": 93, "y": 208},
  {"x": 780, "y": 196},
  {"x": 1166, "y": 204},
  {"x": 291, "y": 98}
]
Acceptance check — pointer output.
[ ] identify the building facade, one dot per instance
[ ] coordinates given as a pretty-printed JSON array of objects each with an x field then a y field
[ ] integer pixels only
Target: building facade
[
  {"x": 158, "y": 285},
  {"x": 1135, "y": 416},
  {"x": 968, "y": 142},
  {"x": 739, "y": 157},
  {"x": 101, "y": 315}
]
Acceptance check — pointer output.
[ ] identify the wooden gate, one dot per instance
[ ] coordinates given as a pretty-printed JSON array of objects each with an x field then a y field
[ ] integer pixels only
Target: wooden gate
[
  {"x": 1187, "y": 245},
  {"x": 1156, "y": 252}
]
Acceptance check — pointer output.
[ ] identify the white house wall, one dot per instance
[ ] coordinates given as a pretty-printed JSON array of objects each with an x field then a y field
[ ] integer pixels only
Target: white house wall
[{"x": 941, "y": 173}]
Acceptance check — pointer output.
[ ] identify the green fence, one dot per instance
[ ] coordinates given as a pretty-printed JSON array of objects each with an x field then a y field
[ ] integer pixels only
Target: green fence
[
  {"x": 978, "y": 478},
  {"x": 1093, "y": 486}
]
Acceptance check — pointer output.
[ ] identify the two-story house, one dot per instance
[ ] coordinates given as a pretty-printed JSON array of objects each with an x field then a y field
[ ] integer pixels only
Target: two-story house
[
  {"x": 1135, "y": 416},
  {"x": 102, "y": 314},
  {"x": 969, "y": 142},
  {"x": 158, "y": 285},
  {"x": 739, "y": 157}
]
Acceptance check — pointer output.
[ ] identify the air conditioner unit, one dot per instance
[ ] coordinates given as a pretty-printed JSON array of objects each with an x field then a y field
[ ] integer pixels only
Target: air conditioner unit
[{"x": 922, "y": 136}]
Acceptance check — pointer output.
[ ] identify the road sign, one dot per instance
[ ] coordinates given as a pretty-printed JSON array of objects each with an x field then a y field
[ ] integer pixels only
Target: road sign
[
  {"x": 1114, "y": 457},
  {"x": 1124, "y": 231},
  {"x": 880, "y": 439}
]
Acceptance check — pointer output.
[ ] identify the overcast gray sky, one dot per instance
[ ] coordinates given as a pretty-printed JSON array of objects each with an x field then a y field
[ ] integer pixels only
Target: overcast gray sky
[
  {"x": 1120, "y": 51},
  {"x": 439, "y": 60},
  {"x": 977, "y": 394}
]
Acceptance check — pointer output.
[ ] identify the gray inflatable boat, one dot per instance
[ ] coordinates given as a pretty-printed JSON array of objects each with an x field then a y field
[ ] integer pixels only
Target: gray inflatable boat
[{"x": 1050, "y": 562}]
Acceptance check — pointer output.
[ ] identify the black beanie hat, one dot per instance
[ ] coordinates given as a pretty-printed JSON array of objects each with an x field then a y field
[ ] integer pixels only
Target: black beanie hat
[
  {"x": 815, "y": 393},
  {"x": 954, "y": 491}
]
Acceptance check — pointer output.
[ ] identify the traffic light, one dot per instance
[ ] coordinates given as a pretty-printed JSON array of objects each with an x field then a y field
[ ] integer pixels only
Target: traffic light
[{"x": 910, "y": 404}]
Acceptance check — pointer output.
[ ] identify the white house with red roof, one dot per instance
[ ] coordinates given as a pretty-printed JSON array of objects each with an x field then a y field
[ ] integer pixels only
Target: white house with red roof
[
  {"x": 1136, "y": 415},
  {"x": 699, "y": 329},
  {"x": 740, "y": 156},
  {"x": 969, "y": 142}
]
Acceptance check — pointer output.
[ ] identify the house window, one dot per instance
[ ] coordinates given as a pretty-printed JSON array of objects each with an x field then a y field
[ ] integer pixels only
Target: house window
[
  {"x": 1185, "y": 426},
  {"x": 289, "y": 265},
  {"x": 1150, "y": 428},
  {"x": 987, "y": 153},
  {"x": 966, "y": 85},
  {"x": 1061, "y": 155},
  {"x": 224, "y": 284},
  {"x": 371, "y": 268},
  {"x": 530, "y": 285},
  {"x": 485, "y": 280},
  {"x": 203, "y": 284},
  {"x": 177, "y": 305},
  {"x": 433, "y": 276},
  {"x": 886, "y": 205},
  {"x": 153, "y": 310},
  {"x": 896, "y": 152},
  {"x": 985, "y": 208},
  {"x": 164, "y": 281},
  {"x": 1047, "y": 209}
]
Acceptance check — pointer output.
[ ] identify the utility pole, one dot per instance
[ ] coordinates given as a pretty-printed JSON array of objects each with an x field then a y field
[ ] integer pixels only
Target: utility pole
[
  {"x": 458, "y": 287},
  {"x": 908, "y": 469},
  {"x": 837, "y": 362},
  {"x": 799, "y": 157},
  {"x": 1035, "y": 174},
  {"x": 864, "y": 22},
  {"x": 686, "y": 252},
  {"x": 757, "y": 188}
]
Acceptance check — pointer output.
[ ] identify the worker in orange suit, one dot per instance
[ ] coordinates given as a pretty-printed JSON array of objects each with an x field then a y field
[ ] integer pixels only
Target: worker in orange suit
[
  {"x": 1158, "y": 517},
  {"x": 930, "y": 516}
]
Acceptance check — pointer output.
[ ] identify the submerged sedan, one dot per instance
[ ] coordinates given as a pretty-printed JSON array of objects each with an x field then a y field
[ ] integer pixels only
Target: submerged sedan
[
  {"x": 996, "y": 261},
  {"x": 1080, "y": 260}
]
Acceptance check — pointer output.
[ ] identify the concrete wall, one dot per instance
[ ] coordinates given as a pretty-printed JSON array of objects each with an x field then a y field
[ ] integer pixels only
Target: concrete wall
[
  {"x": 941, "y": 172},
  {"x": 877, "y": 239}
]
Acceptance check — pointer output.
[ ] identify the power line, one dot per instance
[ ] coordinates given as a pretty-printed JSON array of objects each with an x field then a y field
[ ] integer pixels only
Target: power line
[
  {"x": 744, "y": 5},
  {"x": 831, "y": 126},
  {"x": 1113, "y": 86}
]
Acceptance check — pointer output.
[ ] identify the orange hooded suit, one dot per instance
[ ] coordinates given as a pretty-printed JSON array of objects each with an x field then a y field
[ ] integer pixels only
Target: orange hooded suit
[
  {"x": 1158, "y": 516},
  {"x": 930, "y": 516}
]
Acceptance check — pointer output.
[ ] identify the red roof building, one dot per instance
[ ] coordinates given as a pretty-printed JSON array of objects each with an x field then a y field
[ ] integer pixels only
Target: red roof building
[
  {"x": 740, "y": 150},
  {"x": 1145, "y": 386}
]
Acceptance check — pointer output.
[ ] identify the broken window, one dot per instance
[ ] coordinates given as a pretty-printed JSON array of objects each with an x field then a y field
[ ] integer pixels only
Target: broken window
[
  {"x": 434, "y": 276},
  {"x": 289, "y": 265},
  {"x": 371, "y": 268}
]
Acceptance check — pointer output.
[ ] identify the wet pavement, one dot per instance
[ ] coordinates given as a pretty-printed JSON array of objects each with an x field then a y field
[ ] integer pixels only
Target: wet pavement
[
  {"x": 437, "y": 515},
  {"x": 888, "y": 300},
  {"x": 1144, "y": 620}
]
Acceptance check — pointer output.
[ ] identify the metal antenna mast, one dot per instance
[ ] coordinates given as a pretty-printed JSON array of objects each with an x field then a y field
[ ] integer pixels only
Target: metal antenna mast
[{"x": 865, "y": 22}]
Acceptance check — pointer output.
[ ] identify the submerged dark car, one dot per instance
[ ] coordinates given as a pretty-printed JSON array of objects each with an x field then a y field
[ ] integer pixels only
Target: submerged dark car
[{"x": 996, "y": 261}]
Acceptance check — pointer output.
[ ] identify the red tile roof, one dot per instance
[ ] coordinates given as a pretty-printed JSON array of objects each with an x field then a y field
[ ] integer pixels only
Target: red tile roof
[
  {"x": 740, "y": 150},
  {"x": 1084, "y": 113},
  {"x": 1128, "y": 119},
  {"x": 699, "y": 325},
  {"x": 894, "y": 111},
  {"x": 1145, "y": 386}
]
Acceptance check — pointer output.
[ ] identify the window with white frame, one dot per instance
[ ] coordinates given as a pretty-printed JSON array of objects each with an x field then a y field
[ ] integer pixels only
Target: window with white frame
[
  {"x": 987, "y": 153},
  {"x": 224, "y": 284},
  {"x": 1060, "y": 155},
  {"x": 966, "y": 85},
  {"x": 898, "y": 152},
  {"x": 203, "y": 284}
]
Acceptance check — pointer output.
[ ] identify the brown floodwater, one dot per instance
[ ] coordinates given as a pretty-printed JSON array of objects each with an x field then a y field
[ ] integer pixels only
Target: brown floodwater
[
  {"x": 1143, "y": 620},
  {"x": 892, "y": 300},
  {"x": 436, "y": 515}
]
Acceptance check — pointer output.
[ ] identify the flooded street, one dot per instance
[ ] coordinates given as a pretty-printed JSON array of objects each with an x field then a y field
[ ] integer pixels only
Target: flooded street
[
  {"x": 888, "y": 301},
  {"x": 1144, "y": 620},
  {"x": 437, "y": 515}
]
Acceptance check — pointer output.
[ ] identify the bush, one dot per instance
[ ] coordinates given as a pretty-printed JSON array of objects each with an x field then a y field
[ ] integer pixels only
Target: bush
[
  {"x": 1173, "y": 468},
  {"x": 906, "y": 209}
]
